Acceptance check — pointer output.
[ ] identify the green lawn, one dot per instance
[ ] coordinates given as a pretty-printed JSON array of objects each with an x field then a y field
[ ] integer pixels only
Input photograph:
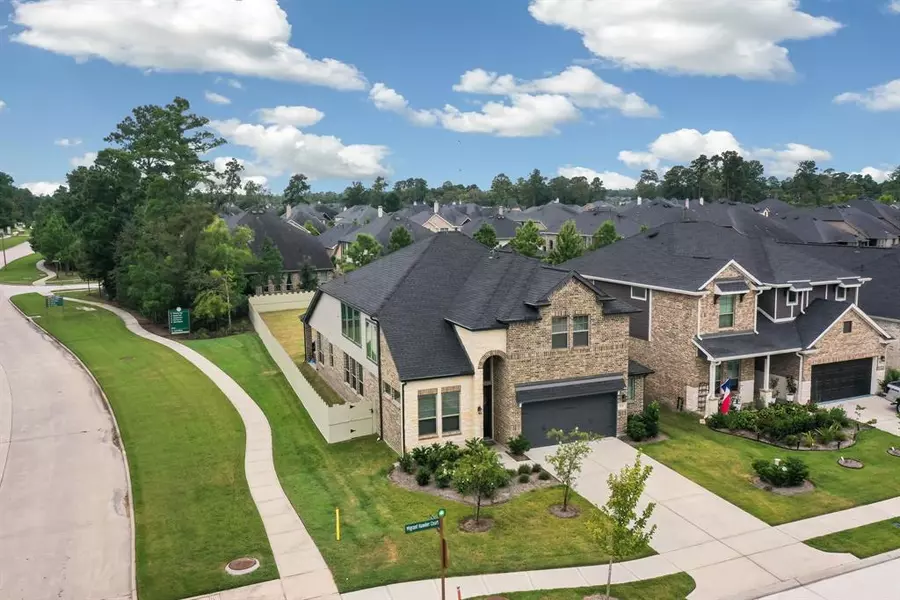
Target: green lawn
[
  {"x": 285, "y": 325},
  {"x": 722, "y": 464},
  {"x": 352, "y": 476},
  {"x": 670, "y": 587},
  {"x": 185, "y": 445},
  {"x": 21, "y": 271},
  {"x": 14, "y": 240},
  {"x": 862, "y": 542}
]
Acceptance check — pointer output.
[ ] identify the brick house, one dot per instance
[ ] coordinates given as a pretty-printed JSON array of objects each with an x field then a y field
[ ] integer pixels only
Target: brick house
[
  {"x": 718, "y": 306},
  {"x": 451, "y": 341}
]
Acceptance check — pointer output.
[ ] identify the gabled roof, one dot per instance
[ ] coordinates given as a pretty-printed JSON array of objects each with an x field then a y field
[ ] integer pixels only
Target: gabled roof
[
  {"x": 504, "y": 227},
  {"x": 774, "y": 205},
  {"x": 419, "y": 292},
  {"x": 360, "y": 213},
  {"x": 297, "y": 246},
  {"x": 332, "y": 235},
  {"x": 381, "y": 227}
]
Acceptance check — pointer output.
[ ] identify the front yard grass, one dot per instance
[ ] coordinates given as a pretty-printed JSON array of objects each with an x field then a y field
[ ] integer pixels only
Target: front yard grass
[
  {"x": 670, "y": 587},
  {"x": 15, "y": 240},
  {"x": 185, "y": 446},
  {"x": 352, "y": 476},
  {"x": 722, "y": 464},
  {"x": 21, "y": 270},
  {"x": 862, "y": 542}
]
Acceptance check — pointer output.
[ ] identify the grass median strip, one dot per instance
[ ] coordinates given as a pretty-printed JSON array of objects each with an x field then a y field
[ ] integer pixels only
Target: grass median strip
[
  {"x": 670, "y": 587},
  {"x": 185, "y": 446},
  {"x": 22, "y": 270},
  {"x": 862, "y": 542},
  {"x": 352, "y": 476},
  {"x": 722, "y": 464},
  {"x": 15, "y": 240}
]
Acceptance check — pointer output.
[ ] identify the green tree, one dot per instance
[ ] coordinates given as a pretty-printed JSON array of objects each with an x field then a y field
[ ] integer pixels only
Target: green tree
[
  {"x": 400, "y": 238},
  {"x": 534, "y": 191},
  {"x": 502, "y": 190},
  {"x": 233, "y": 170},
  {"x": 296, "y": 190},
  {"x": 363, "y": 251},
  {"x": 648, "y": 185},
  {"x": 310, "y": 227},
  {"x": 618, "y": 528},
  {"x": 355, "y": 194},
  {"x": 487, "y": 235},
  {"x": 569, "y": 244},
  {"x": 527, "y": 241},
  {"x": 605, "y": 235},
  {"x": 598, "y": 192},
  {"x": 572, "y": 448},
  {"x": 309, "y": 280},
  {"x": 269, "y": 265},
  {"x": 479, "y": 473},
  {"x": 225, "y": 254},
  {"x": 676, "y": 183},
  {"x": 211, "y": 304}
]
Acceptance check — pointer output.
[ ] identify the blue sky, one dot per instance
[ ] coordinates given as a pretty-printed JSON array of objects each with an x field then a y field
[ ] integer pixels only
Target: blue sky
[{"x": 567, "y": 86}]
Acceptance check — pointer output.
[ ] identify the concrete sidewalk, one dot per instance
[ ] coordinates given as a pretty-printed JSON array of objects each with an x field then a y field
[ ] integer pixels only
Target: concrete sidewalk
[
  {"x": 16, "y": 252},
  {"x": 304, "y": 574}
]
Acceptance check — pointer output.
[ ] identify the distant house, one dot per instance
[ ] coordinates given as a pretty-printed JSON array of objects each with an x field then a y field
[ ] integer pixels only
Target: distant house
[
  {"x": 381, "y": 228},
  {"x": 504, "y": 227},
  {"x": 297, "y": 246},
  {"x": 360, "y": 214},
  {"x": 443, "y": 217}
]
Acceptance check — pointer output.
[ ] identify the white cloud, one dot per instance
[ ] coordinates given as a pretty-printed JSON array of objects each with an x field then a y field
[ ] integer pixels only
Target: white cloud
[
  {"x": 282, "y": 149},
  {"x": 389, "y": 100},
  {"x": 86, "y": 160},
  {"x": 685, "y": 145},
  {"x": 877, "y": 99},
  {"x": 700, "y": 37},
  {"x": 580, "y": 85},
  {"x": 250, "y": 173},
  {"x": 894, "y": 6},
  {"x": 610, "y": 179},
  {"x": 216, "y": 98},
  {"x": 42, "y": 188},
  {"x": 234, "y": 83},
  {"x": 524, "y": 116},
  {"x": 2, "y": 105},
  {"x": 879, "y": 175},
  {"x": 638, "y": 160},
  {"x": 297, "y": 116},
  {"x": 247, "y": 37},
  {"x": 67, "y": 142}
]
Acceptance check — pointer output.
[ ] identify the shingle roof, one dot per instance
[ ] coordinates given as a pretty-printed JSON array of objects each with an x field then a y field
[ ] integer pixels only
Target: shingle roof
[
  {"x": 381, "y": 227},
  {"x": 636, "y": 369},
  {"x": 332, "y": 235},
  {"x": 817, "y": 317},
  {"x": 418, "y": 292},
  {"x": 297, "y": 246},
  {"x": 504, "y": 227}
]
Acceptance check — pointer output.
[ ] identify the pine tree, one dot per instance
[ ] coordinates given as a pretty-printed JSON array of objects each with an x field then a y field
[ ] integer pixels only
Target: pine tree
[
  {"x": 605, "y": 235},
  {"x": 569, "y": 244}
]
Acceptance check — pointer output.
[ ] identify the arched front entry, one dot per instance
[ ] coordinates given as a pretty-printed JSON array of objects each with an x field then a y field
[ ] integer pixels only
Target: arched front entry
[{"x": 490, "y": 367}]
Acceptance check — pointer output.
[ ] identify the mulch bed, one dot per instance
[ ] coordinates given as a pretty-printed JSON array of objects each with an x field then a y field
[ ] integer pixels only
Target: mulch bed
[
  {"x": 661, "y": 437},
  {"x": 785, "y": 491},
  {"x": 850, "y": 463},
  {"x": 751, "y": 435},
  {"x": 894, "y": 452},
  {"x": 518, "y": 457},
  {"x": 571, "y": 511},
  {"x": 408, "y": 481},
  {"x": 470, "y": 526}
]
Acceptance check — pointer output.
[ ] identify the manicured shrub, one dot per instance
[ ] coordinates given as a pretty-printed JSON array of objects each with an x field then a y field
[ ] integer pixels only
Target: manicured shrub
[
  {"x": 423, "y": 477},
  {"x": 407, "y": 464},
  {"x": 544, "y": 476},
  {"x": 716, "y": 421},
  {"x": 518, "y": 445},
  {"x": 524, "y": 469},
  {"x": 636, "y": 428},
  {"x": 790, "y": 472},
  {"x": 443, "y": 477},
  {"x": 651, "y": 419},
  {"x": 420, "y": 455},
  {"x": 511, "y": 472},
  {"x": 536, "y": 468},
  {"x": 792, "y": 440},
  {"x": 524, "y": 478},
  {"x": 780, "y": 421}
]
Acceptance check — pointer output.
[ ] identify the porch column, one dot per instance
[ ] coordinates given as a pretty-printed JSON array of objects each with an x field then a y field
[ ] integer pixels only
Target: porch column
[
  {"x": 799, "y": 398},
  {"x": 766, "y": 371},
  {"x": 711, "y": 404}
]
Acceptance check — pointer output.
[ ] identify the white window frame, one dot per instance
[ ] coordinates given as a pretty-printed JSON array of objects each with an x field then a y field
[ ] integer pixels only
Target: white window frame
[
  {"x": 796, "y": 298},
  {"x": 586, "y": 331},
  {"x": 353, "y": 374},
  {"x": 352, "y": 317},
  {"x": 445, "y": 414},
  {"x": 371, "y": 341},
  {"x": 730, "y": 300},
  {"x": 840, "y": 294},
  {"x": 636, "y": 297},
  {"x": 555, "y": 334}
]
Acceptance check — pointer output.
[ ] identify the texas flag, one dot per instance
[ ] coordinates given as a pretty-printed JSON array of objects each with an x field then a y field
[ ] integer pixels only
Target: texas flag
[{"x": 726, "y": 397}]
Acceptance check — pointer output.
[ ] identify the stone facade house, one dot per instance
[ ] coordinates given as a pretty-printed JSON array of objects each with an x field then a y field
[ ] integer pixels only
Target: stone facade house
[
  {"x": 718, "y": 306},
  {"x": 451, "y": 341}
]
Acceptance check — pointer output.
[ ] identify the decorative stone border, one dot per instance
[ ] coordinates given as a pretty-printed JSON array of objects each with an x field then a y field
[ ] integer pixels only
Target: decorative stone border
[
  {"x": 242, "y": 566},
  {"x": 894, "y": 452},
  {"x": 850, "y": 463}
]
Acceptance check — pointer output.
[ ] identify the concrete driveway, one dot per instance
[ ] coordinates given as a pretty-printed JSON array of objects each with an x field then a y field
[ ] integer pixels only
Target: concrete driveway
[
  {"x": 16, "y": 252},
  {"x": 876, "y": 407},
  {"x": 725, "y": 549},
  {"x": 65, "y": 531}
]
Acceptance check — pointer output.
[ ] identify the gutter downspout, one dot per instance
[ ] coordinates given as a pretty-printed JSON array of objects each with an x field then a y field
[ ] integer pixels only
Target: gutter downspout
[
  {"x": 800, "y": 381},
  {"x": 380, "y": 385}
]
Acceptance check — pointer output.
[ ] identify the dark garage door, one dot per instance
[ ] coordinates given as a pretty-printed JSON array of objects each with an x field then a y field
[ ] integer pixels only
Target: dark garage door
[
  {"x": 596, "y": 414},
  {"x": 835, "y": 381}
]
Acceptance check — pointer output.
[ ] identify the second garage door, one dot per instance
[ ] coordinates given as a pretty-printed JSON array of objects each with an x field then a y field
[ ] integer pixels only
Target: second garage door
[
  {"x": 596, "y": 414},
  {"x": 836, "y": 381}
]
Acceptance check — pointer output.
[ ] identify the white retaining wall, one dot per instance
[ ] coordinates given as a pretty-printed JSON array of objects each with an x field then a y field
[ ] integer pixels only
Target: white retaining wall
[
  {"x": 335, "y": 423},
  {"x": 281, "y": 301}
]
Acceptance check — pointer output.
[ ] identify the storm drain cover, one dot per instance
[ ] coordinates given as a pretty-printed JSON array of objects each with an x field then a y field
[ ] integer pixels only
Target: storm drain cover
[{"x": 242, "y": 566}]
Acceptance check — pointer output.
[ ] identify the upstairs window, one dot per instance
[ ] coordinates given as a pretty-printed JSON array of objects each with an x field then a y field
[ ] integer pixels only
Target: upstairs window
[
  {"x": 350, "y": 324},
  {"x": 560, "y": 335},
  {"x": 391, "y": 393},
  {"x": 580, "y": 331},
  {"x": 848, "y": 326},
  {"x": 840, "y": 294},
  {"x": 726, "y": 311},
  {"x": 792, "y": 298},
  {"x": 371, "y": 341},
  {"x": 638, "y": 293}
]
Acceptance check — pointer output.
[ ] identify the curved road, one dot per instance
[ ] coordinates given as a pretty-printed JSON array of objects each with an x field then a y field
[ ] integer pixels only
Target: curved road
[{"x": 65, "y": 531}]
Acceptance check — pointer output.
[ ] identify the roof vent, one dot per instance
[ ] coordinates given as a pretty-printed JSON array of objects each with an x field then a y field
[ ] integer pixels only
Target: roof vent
[{"x": 652, "y": 234}]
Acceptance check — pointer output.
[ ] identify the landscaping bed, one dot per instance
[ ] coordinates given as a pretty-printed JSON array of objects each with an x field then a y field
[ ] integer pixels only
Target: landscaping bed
[
  {"x": 185, "y": 446},
  {"x": 792, "y": 426},
  {"x": 862, "y": 542},
  {"x": 670, "y": 587},
  {"x": 723, "y": 464},
  {"x": 374, "y": 549}
]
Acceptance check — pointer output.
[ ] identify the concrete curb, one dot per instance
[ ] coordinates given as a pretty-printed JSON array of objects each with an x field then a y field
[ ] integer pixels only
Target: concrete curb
[{"x": 121, "y": 444}]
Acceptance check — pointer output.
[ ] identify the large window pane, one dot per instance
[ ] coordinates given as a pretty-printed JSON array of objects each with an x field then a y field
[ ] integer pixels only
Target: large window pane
[
  {"x": 580, "y": 327},
  {"x": 427, "y": 414},
  {"x": 371, "y": 341},
  {"x": 449, "y": 412},
  {"x": 726, "y": 311},
  {"x": 560, "y": 335}
]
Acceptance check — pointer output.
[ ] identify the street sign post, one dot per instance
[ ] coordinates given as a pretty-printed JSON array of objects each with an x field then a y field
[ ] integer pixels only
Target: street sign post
[
  {"x": 435, "y": 523},
  {"x": 179, "y": 321}
]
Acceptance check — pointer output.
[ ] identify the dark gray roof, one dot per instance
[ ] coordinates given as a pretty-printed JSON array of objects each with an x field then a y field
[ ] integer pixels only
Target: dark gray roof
[
  {"x": 774, "y": 205},
  {"x": 891, "y": 214},
  {"x": 812, "y": 230},
  {"x": 544, "y": 391},
  {"x": 636, "y": 369},
  {"x": 297, "y": 246},
  {"x": 302, "y": 213},
  {"x": 420, "y": 291},
  {"x": 381, "y": 227},
  {"x": 728, "y": 286},
  {"x": 504, "y": 227},
  {"x": 685, "y": 255},
  {"x": 817, "y": 317},
  {"x": 361, "y": 214},
  {"x": 332, "y": 235}
]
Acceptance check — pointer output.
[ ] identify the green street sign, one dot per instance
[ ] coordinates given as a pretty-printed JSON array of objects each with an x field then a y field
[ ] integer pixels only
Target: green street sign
[
  {"x": 179, "y": 321},
  {"x": 422, "y": 525},
  {"x": 54, "y": 301}
]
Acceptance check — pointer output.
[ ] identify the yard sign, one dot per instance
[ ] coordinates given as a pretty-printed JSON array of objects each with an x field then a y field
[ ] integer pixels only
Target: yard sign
[{"x": 179, "y": 321}]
